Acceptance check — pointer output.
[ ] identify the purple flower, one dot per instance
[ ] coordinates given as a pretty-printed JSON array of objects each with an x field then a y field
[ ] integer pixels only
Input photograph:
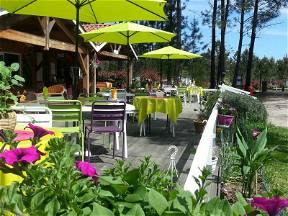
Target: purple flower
[
  {"x": 272, "y": 206},
  {"x": 255, "y": 133},
  {"x": 39, "y": 131},
  {"x": 26, "y": 155},
  {"x": 86, "y": 169}
]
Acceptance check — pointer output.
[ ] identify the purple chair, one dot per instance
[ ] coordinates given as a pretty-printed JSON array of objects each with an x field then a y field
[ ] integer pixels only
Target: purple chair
[{"x": 113, "y": 114}]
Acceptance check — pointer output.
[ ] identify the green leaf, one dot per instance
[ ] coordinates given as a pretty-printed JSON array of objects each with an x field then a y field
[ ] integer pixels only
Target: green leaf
[
  {"x": 87, "y": 197},
  {"x": 238, "y": 209},
  {"x": 105, "y": 193},
  {"x": 179, "y": 204},
  {"x": 14, "y": 82},
  {"x": 86, "y": 211},
  {"x": 246, "y": 170},
  {"x": 137, "y": 196},
  {"x": 132, "y": 176},
  {"x": 15, "y": 66},
  {"x": 136, "y": 210},
  {"x": 100, "y": 210},
  {"x": 38, "y": 199},
  {"x": 52, "y": 207},
  {"x": 19, "y": 78},
  {"x": 157, "y": 201}
]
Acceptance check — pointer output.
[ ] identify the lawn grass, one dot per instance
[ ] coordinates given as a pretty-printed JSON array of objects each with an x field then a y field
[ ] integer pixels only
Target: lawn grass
[{"x": 277, "y": 171}]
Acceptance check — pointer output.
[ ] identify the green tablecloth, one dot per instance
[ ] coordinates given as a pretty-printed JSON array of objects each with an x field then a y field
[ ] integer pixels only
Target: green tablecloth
[{"x": 172, "y": 106}]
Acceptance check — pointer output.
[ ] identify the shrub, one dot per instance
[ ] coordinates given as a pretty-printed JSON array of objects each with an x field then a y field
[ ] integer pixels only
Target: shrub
[
  {"x": 252, "y": 110},
  {"x": 209, "y": 104}
]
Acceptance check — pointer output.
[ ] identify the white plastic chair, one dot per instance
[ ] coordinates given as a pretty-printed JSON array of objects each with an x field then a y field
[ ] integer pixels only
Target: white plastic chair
[{"x": 38, "y": 115}]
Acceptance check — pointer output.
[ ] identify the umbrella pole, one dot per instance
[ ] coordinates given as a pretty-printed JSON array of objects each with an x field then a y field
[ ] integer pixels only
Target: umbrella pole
[
  {"x": 76, "y": 61},
  {"x": 161, "y": 73}
]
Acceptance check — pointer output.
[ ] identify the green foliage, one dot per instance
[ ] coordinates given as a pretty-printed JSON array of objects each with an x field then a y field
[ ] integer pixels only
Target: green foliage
[
  {"x": 7, "y": 82},
  {"x": 249, "y": 111},
  {"x": 252, "y": 155},
  {"x": 211, "y": 100},
  {"x": 277, "y": 172}
]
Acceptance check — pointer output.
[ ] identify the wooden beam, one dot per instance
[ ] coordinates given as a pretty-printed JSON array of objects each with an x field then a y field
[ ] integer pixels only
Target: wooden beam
[
  {"x": 68, "y": 33},
  {"x": 46, "y": 26},
  {"x": 113, "y": 55},
  {"x": 23, "y": 37}
]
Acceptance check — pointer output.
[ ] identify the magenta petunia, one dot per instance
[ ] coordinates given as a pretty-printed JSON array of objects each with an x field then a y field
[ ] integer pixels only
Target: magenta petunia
[
  {"x": 255, "y": 133},
  {"x": 86, "y": 168},
  {"x": 39, "y": 131},
  {"x": 272, "y": 206},
  {"x": 26, "y": 155}
]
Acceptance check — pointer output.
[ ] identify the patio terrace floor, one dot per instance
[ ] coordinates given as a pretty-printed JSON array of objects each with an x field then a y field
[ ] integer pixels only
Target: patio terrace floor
[{"x": 155, "y": 144}]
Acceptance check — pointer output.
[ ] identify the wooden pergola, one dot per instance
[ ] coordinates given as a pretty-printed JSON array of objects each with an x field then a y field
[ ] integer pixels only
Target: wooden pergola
[{"x": 45, "y": 35}]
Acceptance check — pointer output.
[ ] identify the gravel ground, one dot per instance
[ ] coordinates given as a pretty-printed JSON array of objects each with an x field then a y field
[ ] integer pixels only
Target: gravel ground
[{"x": 277, "y": 108}]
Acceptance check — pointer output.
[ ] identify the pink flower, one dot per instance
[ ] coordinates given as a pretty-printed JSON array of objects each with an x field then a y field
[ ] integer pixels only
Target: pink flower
[
  {"x": 39, "y": 131},
  {"x": 255, "y": 133},
  {"x": 86, "y": 169},
  {"x": 26, "y": 155},
  {"x": 272, "y": 206}
]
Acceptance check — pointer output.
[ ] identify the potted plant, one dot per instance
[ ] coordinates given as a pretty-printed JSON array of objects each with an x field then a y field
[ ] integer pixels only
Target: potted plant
[
  {"x": 209, "y": 104},
  {"x": 225, "y": 117},
  {"x": 7, "y": 98}
]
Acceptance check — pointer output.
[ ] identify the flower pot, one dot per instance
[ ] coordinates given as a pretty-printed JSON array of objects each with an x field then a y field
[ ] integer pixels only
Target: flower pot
[
  {"x": 225, "y": 120},
  {"x": 8, "y": 121},
  {"x": 199, "y": 125}
]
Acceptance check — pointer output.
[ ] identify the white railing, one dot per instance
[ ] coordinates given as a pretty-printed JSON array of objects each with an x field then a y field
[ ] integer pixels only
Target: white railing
[
  {"x": 203, "y": 155},
  {"x": 204, "y": 152}
]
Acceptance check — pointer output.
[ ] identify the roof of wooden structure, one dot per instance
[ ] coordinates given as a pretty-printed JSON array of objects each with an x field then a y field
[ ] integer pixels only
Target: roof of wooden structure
[{"x": 31, "y": 30}]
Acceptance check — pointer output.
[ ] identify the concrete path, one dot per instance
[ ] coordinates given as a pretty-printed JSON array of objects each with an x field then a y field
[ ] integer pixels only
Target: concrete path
[{"x": 277, "y": 108}]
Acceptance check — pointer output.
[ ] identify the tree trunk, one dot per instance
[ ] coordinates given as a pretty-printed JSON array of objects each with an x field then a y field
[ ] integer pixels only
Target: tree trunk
[
  {"x": 252, "y": 42},
  {"x": 178, "y": 42},
  {"x": 212, "y": 71},
  {"x": 239, "y": 50},
  {"x": 221, "y": 63}
]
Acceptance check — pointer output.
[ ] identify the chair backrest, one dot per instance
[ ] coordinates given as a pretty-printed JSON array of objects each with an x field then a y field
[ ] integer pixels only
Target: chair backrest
[
  {"x": 181, "y": 90},
  {"x": 56, "y": 89},
  {"x": 109, "y": 111},
  {"x": 66, "y": 111},
  {"x": 38, "y": 115}
]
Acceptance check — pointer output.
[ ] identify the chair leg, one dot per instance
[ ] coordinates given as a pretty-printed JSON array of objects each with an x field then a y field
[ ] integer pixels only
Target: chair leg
[
  {"x": 117, "y": 141},
  {"x": 88, "y": 146},
  {"x": 114, "y": 144},
  {"x": 125, "y": 146},
  {"x": 82, "y": 146}
]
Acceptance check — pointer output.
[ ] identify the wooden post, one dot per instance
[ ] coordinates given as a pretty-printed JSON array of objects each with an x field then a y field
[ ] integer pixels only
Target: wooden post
[
  {"x": 130, "y": 72},
  {"x": 47, "y": 26},
  {"x": 86, "y": 74}
]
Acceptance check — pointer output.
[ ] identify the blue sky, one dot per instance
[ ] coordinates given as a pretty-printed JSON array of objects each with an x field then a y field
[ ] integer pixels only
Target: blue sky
[{"x": 271, "y": 42}]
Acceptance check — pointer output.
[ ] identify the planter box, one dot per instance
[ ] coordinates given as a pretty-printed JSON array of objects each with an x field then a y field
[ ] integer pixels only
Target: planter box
[
  {"x": 225, "y": 120},
  {"x": 199, "y": 125}
]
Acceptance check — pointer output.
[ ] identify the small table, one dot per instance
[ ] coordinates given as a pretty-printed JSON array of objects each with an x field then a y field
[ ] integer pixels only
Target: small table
[{"x": 172, "y": 106}]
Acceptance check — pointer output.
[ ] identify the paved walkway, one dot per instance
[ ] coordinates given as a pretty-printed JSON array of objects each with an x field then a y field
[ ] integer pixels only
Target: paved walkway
[
  {"x": 155, "y": 144},
  {"x": 277, "y": 108}
]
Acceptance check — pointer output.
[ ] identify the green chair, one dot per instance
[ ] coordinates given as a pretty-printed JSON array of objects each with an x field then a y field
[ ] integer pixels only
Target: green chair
[
  {"x": 68, "y": 111},
  {"x": 181, "y": 92}
]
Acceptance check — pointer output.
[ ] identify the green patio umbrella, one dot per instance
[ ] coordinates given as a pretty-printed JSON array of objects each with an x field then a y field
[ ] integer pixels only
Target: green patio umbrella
[
  {"x": 127, "y": 33},
  {"x": 91, "y": 11},
  {"x": 169, "y": 52}
]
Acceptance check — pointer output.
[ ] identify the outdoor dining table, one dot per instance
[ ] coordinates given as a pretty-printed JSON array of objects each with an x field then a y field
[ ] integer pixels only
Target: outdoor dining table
[
  {"x": 146, "y": 105},
  {"x": 23, "y": 136}
]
